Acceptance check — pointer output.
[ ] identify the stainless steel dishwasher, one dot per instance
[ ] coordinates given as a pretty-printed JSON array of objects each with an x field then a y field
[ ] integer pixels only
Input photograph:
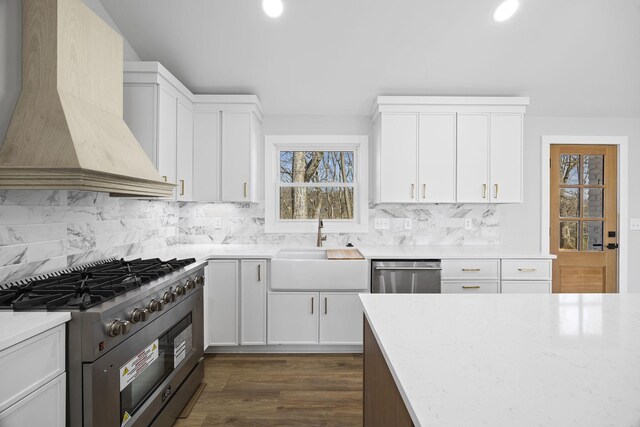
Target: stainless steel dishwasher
[{"x": 405, "y": 276}]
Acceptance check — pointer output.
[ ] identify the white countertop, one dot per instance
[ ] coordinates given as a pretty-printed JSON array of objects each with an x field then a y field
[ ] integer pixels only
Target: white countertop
[
  {"x": 16, "y": 326},
  {"x": 505, "y": 360},
  {"x": 371, "y": 252}
]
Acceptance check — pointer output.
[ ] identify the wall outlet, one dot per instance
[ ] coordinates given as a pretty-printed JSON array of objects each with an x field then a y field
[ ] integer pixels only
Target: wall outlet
[
  {"x": 634, "y": 224},
  {"x": 381, "y": 223},
  {"x": 468, "y": 223},
  {"x": 217, "y": 223},
  {"x": 407, "y": 223}
]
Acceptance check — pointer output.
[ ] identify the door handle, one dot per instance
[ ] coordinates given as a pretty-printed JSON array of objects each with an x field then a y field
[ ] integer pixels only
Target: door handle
[
  {"x": 325, "y": 305},
  {"x": 413, "y": 190},
  {"x": 245, "y": 189},
  {"x": 612, "y": 246},
  {"x": 470, "y": 269},
  {"x": 484, "y": 191},
  {"x": 424, "y": 191},
  {"x": 527, "y": 270},
  {"x": 259, "y": 269},
  {"x": 182, "y": 187},
  {"x": 312, "y": 304},
  {"x": 471, "y": 287},
  {"x": 164, "y": 177},
  {"x": 495, "y": 195}
]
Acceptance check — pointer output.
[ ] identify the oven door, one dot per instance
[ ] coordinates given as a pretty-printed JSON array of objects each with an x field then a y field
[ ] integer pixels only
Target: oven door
[{"x": 131, "y": 384}]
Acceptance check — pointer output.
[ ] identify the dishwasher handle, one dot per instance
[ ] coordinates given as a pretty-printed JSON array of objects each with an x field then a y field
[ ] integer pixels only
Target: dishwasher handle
[{"x": 409, "y": 268}]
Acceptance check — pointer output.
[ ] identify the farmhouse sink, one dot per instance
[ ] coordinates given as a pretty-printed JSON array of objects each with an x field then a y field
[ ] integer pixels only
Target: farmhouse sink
[{"x": 310, "y": 270}]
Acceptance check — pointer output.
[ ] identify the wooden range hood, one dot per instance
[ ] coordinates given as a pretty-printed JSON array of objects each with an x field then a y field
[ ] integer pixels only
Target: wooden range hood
[{"x": 67, "y": 131}]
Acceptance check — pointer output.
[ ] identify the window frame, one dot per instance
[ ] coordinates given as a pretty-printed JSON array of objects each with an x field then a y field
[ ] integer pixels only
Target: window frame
[{"x": 274, "y": 144}]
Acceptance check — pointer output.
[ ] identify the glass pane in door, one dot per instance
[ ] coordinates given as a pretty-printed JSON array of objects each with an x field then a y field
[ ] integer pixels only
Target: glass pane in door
[
  {"x": 593, "y": 202},
  {"x": 569, "y": 235},
  {"x": 592, "y": 235},
  {"x": 593, "y": 169},
  {"x": 570, "y": 169},
  {"x": 569, "y": 203}
]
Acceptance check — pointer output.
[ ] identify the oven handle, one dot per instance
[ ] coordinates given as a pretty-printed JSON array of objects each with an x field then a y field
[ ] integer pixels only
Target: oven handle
[{"x": 408, "y": 268}]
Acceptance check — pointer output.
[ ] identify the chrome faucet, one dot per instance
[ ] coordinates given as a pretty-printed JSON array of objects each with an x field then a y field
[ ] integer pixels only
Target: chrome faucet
[{"x": 321, "y": 238}]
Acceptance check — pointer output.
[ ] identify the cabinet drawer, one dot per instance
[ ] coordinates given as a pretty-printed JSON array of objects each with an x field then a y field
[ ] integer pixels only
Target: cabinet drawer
[
  {"x": 525, "y": 269},
  {"x": 470, "y": 288},
  {"x": 526, "y": 287},
  {"x": 43, "y": 407},
  {"x": 471, "y": 269},
  {"x": 30, "y": 364}
]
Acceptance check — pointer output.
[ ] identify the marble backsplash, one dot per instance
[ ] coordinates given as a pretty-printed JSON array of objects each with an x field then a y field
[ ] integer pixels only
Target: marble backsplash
[
  {"x": 43, "y": 231},
  {"x": 431, "y": 225}
]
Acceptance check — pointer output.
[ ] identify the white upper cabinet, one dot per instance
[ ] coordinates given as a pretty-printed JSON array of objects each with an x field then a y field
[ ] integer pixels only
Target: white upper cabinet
[
  {"x": 159, "y": 111},
  {"x": 506, "y": 165},
  {"x": 228, "y": 133},
  {"x": 473, "y": 158},
  {"x": 437, "y": 158},
  {"x": 448, "y": 149}
]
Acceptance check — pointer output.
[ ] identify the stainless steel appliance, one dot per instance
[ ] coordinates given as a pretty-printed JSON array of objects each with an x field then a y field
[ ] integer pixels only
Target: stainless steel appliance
[
  {"x": 406, "y": 277},
  {"x": 135, "y": 340}
]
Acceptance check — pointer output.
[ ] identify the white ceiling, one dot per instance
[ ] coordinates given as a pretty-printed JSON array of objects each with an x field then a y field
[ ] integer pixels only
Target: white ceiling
[{"x": 572, "y": 57}]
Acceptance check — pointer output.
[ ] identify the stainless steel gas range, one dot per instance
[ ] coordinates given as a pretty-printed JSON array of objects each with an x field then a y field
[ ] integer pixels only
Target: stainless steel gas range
[{"x": 135, "y": 339}]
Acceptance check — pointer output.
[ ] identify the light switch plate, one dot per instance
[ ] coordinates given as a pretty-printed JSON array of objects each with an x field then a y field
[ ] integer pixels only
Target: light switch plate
[
  {"x": 217, "y": 223},
  {"x": 468, "y": 223},
  {"x": 381, "y": 223},
  {"x": 407, "y": 223},
  {"x": 634, "y": 224}
]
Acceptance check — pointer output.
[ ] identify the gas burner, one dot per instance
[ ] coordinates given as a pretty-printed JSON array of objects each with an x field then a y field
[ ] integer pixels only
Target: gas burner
[{"x": 89, "y": 286}]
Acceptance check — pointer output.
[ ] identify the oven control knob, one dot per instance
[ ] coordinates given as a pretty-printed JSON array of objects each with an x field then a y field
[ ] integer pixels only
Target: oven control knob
[
  {"x": 139, "y": 315},
  {"x": 169, "y": 297},
  {"x": 200, "y": 280},
  {"x": 191, "y": 284},
  {"x": 118, "y": 327},
  {"x": 181, "y": 290},
  {"x": 155, "y": 305}
]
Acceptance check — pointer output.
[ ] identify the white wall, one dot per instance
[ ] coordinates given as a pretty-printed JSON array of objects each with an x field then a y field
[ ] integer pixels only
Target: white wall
[
  {"x": 520, "y": 224},
  {"x": 10, "y": 54}
]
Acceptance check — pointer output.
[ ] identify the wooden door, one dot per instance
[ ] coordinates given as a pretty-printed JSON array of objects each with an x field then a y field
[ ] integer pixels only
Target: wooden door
[
  {"x": 253, "y": 302},
  {"x": 473, "y": 158},
  {"x": 398, "y": 158},
  {"x": 583, "y": 218},
  {"x": 437, "y": 155},
  {"x": 506, "y": 158}
]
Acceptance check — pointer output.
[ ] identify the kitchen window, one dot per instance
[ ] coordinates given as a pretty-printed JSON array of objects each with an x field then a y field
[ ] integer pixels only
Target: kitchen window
[{"x": 316, "y": 176}]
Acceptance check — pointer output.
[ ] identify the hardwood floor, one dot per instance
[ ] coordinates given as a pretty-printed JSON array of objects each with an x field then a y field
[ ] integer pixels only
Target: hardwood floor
[{"x": 280, "y": 390}]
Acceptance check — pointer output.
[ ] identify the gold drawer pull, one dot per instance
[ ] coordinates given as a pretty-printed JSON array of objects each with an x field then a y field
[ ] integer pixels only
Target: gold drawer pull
[
  {"x": 182, "y": 187},
  {"x": 164, "y": 177},
  {"x": 484, "y": 191},
  {"x": 527, "y": 270},
  {"x": 470, "y": 269},
  {"x": 471, "y": 287}
]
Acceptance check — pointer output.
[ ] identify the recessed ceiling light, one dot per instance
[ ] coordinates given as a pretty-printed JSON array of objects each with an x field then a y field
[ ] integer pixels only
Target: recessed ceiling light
[
  {"x": 273, "y": 8},
  {"x": 506, "y": 10}
]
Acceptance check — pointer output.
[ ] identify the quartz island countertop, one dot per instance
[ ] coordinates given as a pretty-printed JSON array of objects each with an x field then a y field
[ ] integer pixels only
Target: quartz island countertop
[{"x": 505, "y": 360}]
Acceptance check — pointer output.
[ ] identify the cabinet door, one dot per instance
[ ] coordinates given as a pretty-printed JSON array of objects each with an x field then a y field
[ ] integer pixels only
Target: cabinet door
[
  {"x": 340, "y": 318},
  {"x": 140, "y": 110},
  {"x": 236, "y": 157},
  {"x": 167, "y": 134},
  {"x": 293, "y": 318},
  {"x": 473, "y": 158},
  {"x": 206, "y": 156},
  {"x": 437, "y": 154},
  {"x": 223, "y": 302},
  {"x": 185, "y": 152},
  {"x": 506, "y": 158},
  {"x": 398, "y": 158},
  {"x": 43, "y": 407},
  {"x": 253, "y": 302}
]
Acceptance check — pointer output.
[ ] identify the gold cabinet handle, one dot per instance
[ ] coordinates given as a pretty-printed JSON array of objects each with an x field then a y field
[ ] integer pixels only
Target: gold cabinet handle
[
  {"x": 470, "y": 269},
  {"x": 424, "y": 191},
  {"x": 495, "y": 196},
  {"x": 312, "y": 304},
  {"x": 325, "y": 305},
  {"x": 484, "y": 191},
  {"x": 245, "y": 189},
  {"x": 471, "y": 287},
  {"x": 259, "y": 272},
  {"x": 182, "y": 187},
  {"x": 527, "y": 270},
  {"x": 413, "y": 190},
  {"x": 164, "y": 177}
]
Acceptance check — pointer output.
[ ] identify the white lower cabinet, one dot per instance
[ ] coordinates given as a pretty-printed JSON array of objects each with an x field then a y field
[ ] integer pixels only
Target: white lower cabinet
[
  {"x": 223, "y": 279},
  {"x": 253, "y": 302},
  {"x": 526, "y": 276},
  {"x": 526, "y": 287},
  {"x": 341, "y": 320},
  {"x": 43, "y": 407},
  {"x": 470, "y": 288},
  {"x": 293, "y": 318}
]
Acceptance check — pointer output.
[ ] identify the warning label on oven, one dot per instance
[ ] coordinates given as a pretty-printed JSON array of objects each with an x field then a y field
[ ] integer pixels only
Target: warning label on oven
[
  {"x": 137, "y": 365},
  {"x": 181, "y": 345}
]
